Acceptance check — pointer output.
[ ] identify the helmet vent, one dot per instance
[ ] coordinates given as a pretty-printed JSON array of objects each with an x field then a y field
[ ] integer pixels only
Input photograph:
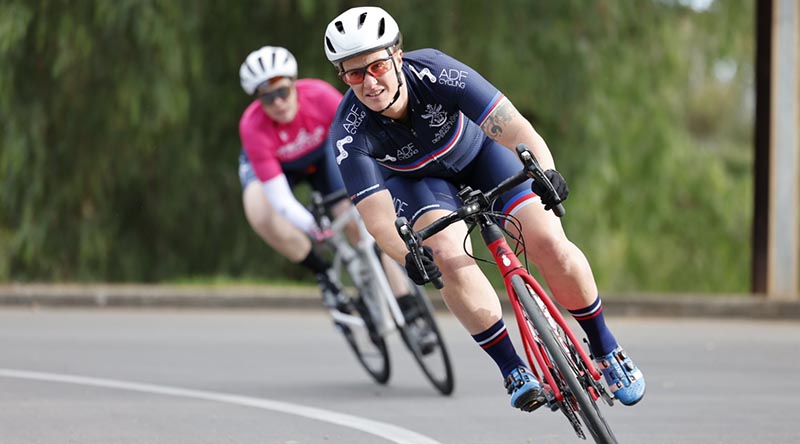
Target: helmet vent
[
  {"x": 265, "y": 63},
  {"x": 382, "y": 28},
  {"x": 358, "y": 31}
]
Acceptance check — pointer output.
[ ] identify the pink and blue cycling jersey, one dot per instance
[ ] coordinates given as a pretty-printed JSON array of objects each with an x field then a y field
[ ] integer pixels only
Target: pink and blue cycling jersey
[{"x": 274, "y": 148}]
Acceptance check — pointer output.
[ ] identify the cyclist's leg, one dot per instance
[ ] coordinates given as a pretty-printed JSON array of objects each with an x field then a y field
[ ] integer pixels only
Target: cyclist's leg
[
  {"x": 280, "y": 234},
  {"x": 272, "y": 227},
  {"x": 468, "y": 293},
  {"x": 568, "y": 275},
  {"x": 562, "y": 264}
]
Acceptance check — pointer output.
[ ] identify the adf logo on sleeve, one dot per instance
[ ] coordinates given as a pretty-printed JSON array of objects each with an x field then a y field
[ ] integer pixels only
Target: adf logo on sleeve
[{"x": 340, "y": 146}]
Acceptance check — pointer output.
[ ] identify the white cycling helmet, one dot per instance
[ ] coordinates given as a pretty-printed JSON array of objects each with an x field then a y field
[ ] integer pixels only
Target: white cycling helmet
[
  {"x": 266, "y": 63},
  {"x": 359, "y": 31}
]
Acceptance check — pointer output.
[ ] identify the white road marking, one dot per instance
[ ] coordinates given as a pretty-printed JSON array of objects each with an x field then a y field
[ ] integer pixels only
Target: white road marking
[{"x": 389, "y": 432}]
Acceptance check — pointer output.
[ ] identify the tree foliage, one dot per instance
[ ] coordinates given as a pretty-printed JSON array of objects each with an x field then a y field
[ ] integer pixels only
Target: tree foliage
[{"x": 119, "y": 129}]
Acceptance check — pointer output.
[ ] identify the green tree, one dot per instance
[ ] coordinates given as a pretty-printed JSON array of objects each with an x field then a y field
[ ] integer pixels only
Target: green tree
[{"x": 119, "y": 129}]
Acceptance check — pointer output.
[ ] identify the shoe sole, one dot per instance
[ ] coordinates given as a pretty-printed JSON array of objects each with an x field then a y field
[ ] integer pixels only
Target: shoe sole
[{"x": 531, "y": 400}]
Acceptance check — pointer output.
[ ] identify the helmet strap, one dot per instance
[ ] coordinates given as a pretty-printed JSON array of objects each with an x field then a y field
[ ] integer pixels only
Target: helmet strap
[{"x": 399, "y": 83}]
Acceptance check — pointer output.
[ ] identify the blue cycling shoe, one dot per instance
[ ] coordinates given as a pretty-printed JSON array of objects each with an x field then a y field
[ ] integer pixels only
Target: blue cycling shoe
[
  {"x": 526, "y": 392},
  {"x": 624, "y": 379}
]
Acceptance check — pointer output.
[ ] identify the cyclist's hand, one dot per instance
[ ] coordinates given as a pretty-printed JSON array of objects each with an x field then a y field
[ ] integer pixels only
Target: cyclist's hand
[
  {"x": 319, "y": 235},
  {"x": 560, "y": 185},
  {"x": 416, "y": 274}
]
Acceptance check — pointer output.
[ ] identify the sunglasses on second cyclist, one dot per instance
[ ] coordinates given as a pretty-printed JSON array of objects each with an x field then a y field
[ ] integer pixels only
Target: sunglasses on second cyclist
[
  {"x": 281, "y": 93},
  {"x": 270, "y": 97},
  {"x": 376, "y": 69}
]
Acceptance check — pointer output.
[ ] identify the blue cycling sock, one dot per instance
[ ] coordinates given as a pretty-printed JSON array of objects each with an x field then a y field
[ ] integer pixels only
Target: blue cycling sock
[
  {"x": 592, "y": 321},
  {"x": 496, "y": 342}
]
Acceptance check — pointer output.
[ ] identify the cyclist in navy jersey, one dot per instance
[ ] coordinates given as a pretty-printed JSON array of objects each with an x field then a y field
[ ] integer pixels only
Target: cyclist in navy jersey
[{"x": 411, "y": 130}]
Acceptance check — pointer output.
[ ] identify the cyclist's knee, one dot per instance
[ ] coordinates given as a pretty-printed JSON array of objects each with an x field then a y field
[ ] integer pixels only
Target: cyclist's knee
[
  {"x": 451, "y": 258},
  {"x": 273, "y": 228},
  {"x": 256, "y": 208},
  {"x": 549, "y": 248},
  {"x": 444, "y": 247}
]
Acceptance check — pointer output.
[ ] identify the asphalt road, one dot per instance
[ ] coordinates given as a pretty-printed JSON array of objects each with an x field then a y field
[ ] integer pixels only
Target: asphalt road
[{"x": 283, "y": 376}]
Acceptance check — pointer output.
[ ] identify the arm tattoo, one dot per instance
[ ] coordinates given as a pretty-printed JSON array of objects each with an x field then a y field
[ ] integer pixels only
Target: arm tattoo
[{"x": 499, "y": 119}]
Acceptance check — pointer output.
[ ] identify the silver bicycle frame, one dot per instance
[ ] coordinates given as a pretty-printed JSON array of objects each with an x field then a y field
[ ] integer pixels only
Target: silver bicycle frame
[{"x": 363, "y": 265}]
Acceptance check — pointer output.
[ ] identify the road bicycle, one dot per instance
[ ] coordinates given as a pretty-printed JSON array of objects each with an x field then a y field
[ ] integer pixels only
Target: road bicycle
[
  {"x": 371, "y": 311},
  {"x": 557, "y": 358}
]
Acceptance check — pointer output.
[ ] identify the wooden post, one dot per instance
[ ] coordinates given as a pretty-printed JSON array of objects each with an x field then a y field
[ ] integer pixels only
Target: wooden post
[{"x": 783, "y": 252}]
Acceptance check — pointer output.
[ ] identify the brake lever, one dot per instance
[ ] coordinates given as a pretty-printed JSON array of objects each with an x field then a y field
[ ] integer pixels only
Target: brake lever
[
  {"x": 537, "y": 173},
  {"x": 413, "y": 243}
]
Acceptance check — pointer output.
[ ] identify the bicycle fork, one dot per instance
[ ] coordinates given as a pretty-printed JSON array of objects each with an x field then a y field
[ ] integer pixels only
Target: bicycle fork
[{"x": 510, "y": 266}]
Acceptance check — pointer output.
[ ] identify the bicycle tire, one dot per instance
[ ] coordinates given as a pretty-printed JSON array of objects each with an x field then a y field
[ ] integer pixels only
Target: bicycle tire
[
  {"x": 363, "y": 337},
  {"x": 588, "y": 410},
  {"x": 433, "y": 358}
]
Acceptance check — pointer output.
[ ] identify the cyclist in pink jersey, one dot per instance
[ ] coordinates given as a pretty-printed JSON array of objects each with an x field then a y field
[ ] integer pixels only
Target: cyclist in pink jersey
[{"x": 284, "y": 135}]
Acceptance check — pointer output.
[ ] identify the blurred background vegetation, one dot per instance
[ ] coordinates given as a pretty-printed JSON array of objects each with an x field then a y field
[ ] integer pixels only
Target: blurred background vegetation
[{"x": 119, "y": 142}]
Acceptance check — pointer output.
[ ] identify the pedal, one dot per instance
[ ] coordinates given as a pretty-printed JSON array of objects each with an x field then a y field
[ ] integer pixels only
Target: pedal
[
  {"x": 533, "y": 405},
  {"x": 550, "y": 398},
  {"x": 530, "y": 403}
]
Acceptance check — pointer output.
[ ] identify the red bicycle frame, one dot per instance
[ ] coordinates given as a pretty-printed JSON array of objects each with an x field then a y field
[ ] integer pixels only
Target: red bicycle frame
[
  {"x": 553, "y": 352},
  {"x": 509, "y": 266}
]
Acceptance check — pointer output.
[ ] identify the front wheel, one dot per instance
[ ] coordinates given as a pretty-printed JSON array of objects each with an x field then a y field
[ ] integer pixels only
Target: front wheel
[
  {"x": 361, "y": 328},
  {"x": 576, "y": 396},
  {"x": 423, "y": 338}
]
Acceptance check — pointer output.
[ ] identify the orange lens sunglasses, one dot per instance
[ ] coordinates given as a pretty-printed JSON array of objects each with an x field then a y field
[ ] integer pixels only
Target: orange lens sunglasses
[{"x": 376, "y": 69}]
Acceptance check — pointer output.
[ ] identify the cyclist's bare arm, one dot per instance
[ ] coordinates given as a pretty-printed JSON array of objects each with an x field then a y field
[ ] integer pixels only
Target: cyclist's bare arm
[
  {"x": 508, "y": 127},
  {"x": 377, "y": 211}
]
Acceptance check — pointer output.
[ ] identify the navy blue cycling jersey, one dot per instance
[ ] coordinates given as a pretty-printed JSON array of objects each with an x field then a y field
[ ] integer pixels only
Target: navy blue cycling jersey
[{"x": 448, "y": 101}]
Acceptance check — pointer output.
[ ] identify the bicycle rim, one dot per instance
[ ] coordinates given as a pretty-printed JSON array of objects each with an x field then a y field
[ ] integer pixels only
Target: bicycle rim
[
  {"x": 424, "y": 339},
  {"x": 561, "y": 358}
]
